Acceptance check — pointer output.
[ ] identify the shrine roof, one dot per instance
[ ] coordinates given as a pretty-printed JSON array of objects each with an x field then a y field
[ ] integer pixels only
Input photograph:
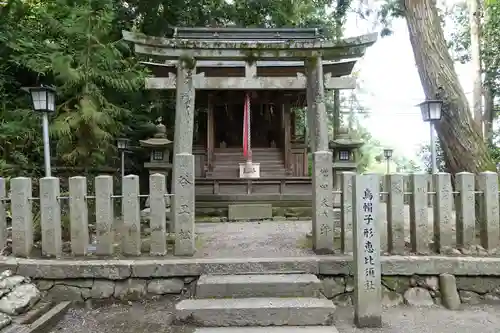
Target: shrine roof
[{"x": 204, "y": 44}]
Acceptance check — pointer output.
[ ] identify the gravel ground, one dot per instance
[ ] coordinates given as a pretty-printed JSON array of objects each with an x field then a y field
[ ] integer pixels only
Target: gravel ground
[
  {"x": 155, "y": 317},
  {"x": 276, "y": 238},
  {"x": 253, "y": 239}
]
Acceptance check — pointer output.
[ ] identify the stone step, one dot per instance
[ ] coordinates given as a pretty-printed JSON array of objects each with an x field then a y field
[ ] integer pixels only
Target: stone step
[
  {"x": 258, "y": 285},
  {"x": 277, "y": 329},
  {"x": 306, "y": 311},
  {"x": 263, "y": 175},
  {"x": 235, "y": 164},
  {"x": 240, "y": 150},
  {"x": 237, "y": 170},
  {"x": 238, "y": 159},
  {"x": 263, "y": 155}
]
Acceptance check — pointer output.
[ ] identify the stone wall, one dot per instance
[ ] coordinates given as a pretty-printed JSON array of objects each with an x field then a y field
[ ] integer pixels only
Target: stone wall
[
  {"x": 80, "y": 290},
  {"x": 428, "y": 290},
  {"x": 396, "y": 290}
]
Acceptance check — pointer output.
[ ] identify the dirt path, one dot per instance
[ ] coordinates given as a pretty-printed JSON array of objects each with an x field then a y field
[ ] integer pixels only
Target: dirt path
[{"x": 156, "y": 317}]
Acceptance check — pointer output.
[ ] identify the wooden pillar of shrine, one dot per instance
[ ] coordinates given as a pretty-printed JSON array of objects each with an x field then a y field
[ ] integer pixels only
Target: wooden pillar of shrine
[
  {"x": 287, "y": 133},
  {"x": 210, "y": 133}
]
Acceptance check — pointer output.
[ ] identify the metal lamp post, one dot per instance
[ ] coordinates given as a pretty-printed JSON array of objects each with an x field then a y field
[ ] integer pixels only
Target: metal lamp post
[
  {"x": 388, "y": 156},
  {"x": 122, "y": 145},
  {"x": 43, "y": 100},
  {"x": 431, "y": 112}
]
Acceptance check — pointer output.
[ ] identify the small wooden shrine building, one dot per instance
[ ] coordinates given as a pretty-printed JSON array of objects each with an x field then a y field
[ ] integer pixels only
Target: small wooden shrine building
[{"x": 245, "y": 86}]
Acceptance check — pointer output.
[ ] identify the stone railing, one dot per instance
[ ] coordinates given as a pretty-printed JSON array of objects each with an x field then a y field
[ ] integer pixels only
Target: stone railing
[
  {"x": 464, "y": 217},
  {"x": 53, "y": 209}
]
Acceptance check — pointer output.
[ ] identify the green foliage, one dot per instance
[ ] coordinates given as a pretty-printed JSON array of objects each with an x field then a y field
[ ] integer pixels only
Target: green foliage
[
  {"x": 491, "y": 47},
  {"x": 76, "y": 49},
  {"x": 459, "y": 40},
  {"x": 76, "y": 46}
]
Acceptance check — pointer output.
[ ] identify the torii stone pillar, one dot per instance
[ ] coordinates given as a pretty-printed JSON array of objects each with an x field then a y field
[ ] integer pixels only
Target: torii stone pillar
[
  {"x": 322, "y": 201},
  {"x": 183, "y": 170}
]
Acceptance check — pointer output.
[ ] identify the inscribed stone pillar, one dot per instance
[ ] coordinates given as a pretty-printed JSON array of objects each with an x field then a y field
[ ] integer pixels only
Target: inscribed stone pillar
[
  {"x": 183, "y": 205},
  {"x": 367, "y": 268},
  {"x": 50, "y": 217},
  {"x": 184, "y": 107},
  {"x": 323, "y": 219},
  {"x": 320, "y": 117},
  {"x": 183, "y": 172}
]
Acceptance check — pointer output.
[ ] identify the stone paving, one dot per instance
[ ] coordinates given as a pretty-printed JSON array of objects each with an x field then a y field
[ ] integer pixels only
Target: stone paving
[{"x": 156, "y": 317}]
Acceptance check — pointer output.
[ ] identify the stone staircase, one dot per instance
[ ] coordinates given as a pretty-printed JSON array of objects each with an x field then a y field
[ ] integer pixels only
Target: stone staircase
[
  {"x": 267, "y": 303},
  {"x": 226, "y": 162}
]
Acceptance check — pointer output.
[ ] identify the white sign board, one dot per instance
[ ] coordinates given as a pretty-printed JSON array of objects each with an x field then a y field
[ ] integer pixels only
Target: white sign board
[{"x": 249, "y": 170}]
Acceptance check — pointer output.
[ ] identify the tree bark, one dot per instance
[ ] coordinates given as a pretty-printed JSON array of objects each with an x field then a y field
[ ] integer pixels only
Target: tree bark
[
  {"x": 489, "y": 106},
  {"x": 475, "y": 46},
  {"x": 459, "y": 135}
]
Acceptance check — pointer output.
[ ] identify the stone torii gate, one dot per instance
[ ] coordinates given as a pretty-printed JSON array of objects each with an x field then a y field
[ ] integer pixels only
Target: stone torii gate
[{"x": 191, "y": 47}]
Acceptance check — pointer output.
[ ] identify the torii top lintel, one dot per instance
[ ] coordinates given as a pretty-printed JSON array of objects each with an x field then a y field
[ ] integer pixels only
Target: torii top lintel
[{"x": 249, "y": 44}]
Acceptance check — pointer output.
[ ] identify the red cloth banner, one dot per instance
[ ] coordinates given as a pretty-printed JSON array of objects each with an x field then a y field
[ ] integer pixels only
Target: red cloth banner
[{"x": 246, "y": 128}]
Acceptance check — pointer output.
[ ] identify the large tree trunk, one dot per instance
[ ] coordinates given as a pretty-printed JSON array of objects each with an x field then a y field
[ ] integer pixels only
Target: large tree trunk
[
  {"x": 475, "y": 46},
  {"x": 459, "y": 135}
]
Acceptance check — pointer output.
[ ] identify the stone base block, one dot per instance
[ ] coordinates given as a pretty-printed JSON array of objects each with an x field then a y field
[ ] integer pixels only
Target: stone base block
[
  {"x": 258, "y": 285},
  {"x": 256, "y": 312},
  {"x": 250, "y": 212},
  {"x": 249, "y": 170}
]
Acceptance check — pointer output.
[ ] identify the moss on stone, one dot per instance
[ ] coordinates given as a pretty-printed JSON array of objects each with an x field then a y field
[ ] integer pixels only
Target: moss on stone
[
  {"x": 188, "y": 62},
  {"x": 396, "y": 283}
]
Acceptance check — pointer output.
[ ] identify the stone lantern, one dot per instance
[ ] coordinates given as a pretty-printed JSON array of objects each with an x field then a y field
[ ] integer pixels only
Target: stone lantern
[
  {"x": 345, "y": 151},
  {"x": 159, "y": 147}
]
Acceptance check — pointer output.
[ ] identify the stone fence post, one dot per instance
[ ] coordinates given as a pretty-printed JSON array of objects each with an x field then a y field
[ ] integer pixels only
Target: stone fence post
[
  {"x": 487, "y": 183},
  {"x": 50, "y": 214},
  {"x": 442, "y": 210},
  {"x": 465, "y": 209},
  {"x": 78, "y": 212},
  {"x": 22, "y": 219},
  {"x": 346, "y": 216},
  {"x": 157, "y": 202},
  {"x": 395, "y": 213},
  {"x": 3, "y": 215},
  {"x": 104, "y": 215},
  {"x": 131, "y": 216}
]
